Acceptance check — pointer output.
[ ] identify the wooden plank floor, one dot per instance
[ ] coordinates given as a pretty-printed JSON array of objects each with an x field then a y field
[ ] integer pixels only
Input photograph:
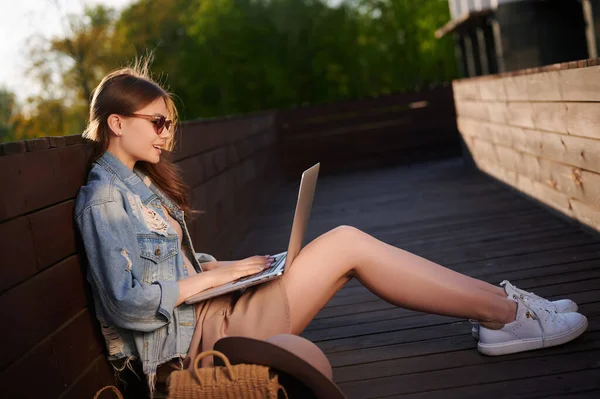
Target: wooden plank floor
[{"x": 464, "y": 220}]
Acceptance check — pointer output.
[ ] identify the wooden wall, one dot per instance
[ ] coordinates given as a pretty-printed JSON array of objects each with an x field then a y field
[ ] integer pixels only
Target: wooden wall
[
  {"x": 538, "y": 131},
  {"x": 396, "y": 128},
  {"x": 231, "y": 166},
  {"x": 50, "y": 346},
  {"x": 51, "y": 342}
]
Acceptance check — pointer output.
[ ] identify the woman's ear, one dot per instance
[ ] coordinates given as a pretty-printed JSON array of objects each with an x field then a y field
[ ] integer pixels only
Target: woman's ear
[{"x": 114, "y": 122}]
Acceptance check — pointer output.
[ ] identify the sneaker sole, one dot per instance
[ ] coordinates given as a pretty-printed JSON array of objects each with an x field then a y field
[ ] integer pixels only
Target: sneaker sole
[{"x": 522, "y": 345}]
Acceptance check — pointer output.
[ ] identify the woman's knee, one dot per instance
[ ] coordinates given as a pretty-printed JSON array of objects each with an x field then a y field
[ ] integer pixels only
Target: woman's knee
[{"x": 347, "y": 232}]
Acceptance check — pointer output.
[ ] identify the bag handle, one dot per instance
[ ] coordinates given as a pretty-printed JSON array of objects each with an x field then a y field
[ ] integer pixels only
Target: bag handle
[
  {"x": 114, "y": 389},
  {"x": 213, "y": 353}
]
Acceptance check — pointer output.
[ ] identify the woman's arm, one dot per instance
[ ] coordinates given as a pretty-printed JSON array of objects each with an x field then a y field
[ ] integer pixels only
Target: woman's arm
[
  {"x": 110, "y": 241},
  {"x": 111, "y": 246},
  {"x": 206, "y": 266},
  {"x": 220, "y": 273}
]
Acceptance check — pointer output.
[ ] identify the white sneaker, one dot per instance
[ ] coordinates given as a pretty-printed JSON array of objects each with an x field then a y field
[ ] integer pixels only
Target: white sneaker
[
  {"x": 535, "y": 327},
  {"x": 560, "y": 305}
]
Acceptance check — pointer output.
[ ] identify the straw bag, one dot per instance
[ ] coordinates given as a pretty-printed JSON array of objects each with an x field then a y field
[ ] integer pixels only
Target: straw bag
[
  {"x": 250, "y": 381},
  {"x": 111, "y": 387}
]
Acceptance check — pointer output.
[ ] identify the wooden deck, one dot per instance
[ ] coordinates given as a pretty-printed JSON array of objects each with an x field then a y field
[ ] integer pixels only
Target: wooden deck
[{"x": 464, "y": 220}]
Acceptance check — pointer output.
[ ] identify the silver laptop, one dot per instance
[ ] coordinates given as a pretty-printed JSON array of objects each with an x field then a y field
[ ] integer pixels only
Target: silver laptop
[{"x": 283, "y": 260}]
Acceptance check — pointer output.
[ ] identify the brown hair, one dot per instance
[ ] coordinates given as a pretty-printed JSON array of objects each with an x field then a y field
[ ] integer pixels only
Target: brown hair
[{"x": 124, "y": 91}]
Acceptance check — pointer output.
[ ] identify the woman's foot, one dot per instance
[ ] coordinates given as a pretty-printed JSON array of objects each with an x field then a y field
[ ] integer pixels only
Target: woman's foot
[
  {"x": 559, "y": 306},
  {"x": 535, "y": 327}
]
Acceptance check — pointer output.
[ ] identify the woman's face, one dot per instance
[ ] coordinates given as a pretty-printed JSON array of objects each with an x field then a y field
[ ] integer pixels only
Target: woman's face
[{"x": 135, "y": 138}]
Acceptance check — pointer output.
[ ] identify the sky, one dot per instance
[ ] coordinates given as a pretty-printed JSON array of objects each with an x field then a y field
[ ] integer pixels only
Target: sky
[
  {"x": 19, "y": 20},
  {"x": 22, "y": 19}
]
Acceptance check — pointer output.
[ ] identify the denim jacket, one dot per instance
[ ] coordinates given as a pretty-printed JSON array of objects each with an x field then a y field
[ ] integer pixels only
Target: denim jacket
[{"x": 135, "y": 261}]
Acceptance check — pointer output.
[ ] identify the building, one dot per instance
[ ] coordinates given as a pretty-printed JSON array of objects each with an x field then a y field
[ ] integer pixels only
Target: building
[{"x": 505, "y": 35}]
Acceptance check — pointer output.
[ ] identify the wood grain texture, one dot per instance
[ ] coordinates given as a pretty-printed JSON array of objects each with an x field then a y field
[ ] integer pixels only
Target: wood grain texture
[
  {"x": 45, "y": 302},
  {"x": 18, "y": 252},
  {"x": 580, "y": 84},
  {"x": 467, "y": 89},
  {"x": 550, "y": 116},
  {"x": 35, "y": 375},
  {"x": 35, "y": 180},
  {"x": 544, "y": 86},
  {"x": 95, "y": 376},
  {"x": 571, "y": 181},
  {"x": 76, "y": 345},
  {"x": 583, "y": 119},
  {"x": 568, "y": 118},
  {"x": 53, "y": 233},
  {"x": 483, "y": 230},
  {"x": 576, "y": 151}
]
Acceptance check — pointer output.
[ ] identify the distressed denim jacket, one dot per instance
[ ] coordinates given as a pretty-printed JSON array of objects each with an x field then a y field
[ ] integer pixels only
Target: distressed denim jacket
[{"x": 135, "y": 261}]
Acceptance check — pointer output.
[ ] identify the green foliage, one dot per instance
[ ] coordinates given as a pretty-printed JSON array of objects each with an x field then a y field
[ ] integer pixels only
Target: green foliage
[
  {"x": 232, "y": 56},
  {"x": 7, "y": 110}
]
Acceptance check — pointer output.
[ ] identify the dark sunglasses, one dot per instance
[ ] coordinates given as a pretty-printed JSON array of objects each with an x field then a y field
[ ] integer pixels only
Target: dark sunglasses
[{"x": 159, "y": 121}]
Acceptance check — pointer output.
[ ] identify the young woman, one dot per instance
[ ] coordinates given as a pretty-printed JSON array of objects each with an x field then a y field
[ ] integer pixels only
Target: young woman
[{"x": 142, "y": 265}]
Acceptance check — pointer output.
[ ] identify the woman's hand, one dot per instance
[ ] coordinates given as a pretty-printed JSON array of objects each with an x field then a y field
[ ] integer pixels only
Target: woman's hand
[
  {"x": 206, "y": 266},
  {"x": 222, "y": 273},
  {"x": 227, "y": 272}
]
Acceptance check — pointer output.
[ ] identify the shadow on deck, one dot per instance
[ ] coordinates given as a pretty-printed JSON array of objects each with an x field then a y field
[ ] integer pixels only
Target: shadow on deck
[{"x": 464, "y": 220}]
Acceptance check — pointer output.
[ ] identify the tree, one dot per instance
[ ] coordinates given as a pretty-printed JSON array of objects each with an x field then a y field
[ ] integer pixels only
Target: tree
[
  {"x": 7, "y": 112},
  {"x": 71, "y": 65},
  {"x": 67, "y": 68},
  {"x": 225, "y": 57}
]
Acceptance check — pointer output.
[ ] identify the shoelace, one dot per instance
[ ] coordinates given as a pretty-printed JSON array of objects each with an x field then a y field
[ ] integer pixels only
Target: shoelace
[
  {"x": 543, "y": 302},
  {"x": 535, "y": 313},
  {"x": 521, "y": 291}
]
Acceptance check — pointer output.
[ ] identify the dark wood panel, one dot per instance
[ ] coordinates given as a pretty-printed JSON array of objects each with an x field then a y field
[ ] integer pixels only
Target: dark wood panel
[
  {"x": 492, "y": 372},
  {"x": 193, "y": 170},
  {"x": 580, "y": 383},
  {"x": 97, "y": 375},
  {"x": 448, "y": 353},
  {"x": 35, "y": 180},
  {"x": 403, "y": 127},
  {"x": 481, "y": 251},
  {"x": 77, "y": 345},
  {"x": 201, "y": 136},
  {"x": 39, "y": 306},
  {"x": 33, "y": 376},
  {"x": 398, "y": 114},
  {"x": 406, "y": 343},
  {"x": 294, "y": 115},
  {"x": 18, "y": 252},
  {"x": 213, "y": 163},
  {"x": 53, "y": 233}
]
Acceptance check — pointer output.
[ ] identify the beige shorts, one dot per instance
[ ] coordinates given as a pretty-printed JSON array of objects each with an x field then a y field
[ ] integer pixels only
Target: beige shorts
[{"x": 260, "y": 312}]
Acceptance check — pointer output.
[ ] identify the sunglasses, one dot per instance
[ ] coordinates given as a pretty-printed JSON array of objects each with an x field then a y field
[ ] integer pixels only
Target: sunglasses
[{"x": 159, "y": 121}]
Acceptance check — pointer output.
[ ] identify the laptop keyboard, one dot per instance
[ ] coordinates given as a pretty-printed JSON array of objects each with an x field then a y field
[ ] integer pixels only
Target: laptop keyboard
[{"x": 275, "y": 265}]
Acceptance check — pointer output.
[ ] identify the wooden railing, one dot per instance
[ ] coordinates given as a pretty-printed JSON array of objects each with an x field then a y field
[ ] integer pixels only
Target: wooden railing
[
  {"x": 52, "y": 345},
  {"x": 539, "y": 131},
  {"x": 403, "y": 127}
]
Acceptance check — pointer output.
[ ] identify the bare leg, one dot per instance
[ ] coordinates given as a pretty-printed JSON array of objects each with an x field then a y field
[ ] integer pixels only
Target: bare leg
[{"x": 395, "y": 275}]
